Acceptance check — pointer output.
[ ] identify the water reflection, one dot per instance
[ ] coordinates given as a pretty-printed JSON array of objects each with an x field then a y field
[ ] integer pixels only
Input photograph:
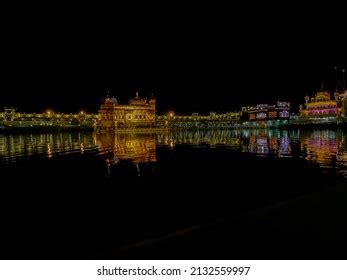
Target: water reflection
[
  {"x": 324, "y": 147},
  {"x": 127, "y": 146},
  {"x": 328, "y": 148},
  {"x": 19, "y": 146},
  {"x": 260, "y": 142}
]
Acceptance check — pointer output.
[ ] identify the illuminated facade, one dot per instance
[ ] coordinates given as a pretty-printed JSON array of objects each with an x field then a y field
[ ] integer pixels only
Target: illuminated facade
[
  {"x": 49, "y": 118},
  {"x": 321, "y": 106},
  {"x": 138, "y": 113},
  {"x": 213, "y": 120},
  {"x": 264, "y": 112},
  {"x": 342, "y": 102}
]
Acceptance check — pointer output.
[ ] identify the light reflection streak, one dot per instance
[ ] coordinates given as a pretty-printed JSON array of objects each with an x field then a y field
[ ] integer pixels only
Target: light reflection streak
[{"x": 328, "y": 148}]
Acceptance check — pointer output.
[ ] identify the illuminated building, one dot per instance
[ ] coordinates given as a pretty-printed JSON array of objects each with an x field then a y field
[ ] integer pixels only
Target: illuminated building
[
  {"x": 320, "y": 106},
  {"x": 138, "y": 113},
  {"x": 49, "y": 118},
  {"x": 342, "y": 102},
  {"x": 213, "y": 120},
  {"x": 263, "y": 112}
]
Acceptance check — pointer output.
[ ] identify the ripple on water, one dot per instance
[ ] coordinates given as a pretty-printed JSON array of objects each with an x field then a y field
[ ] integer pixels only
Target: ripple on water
[{"x": 327, "y": 148}]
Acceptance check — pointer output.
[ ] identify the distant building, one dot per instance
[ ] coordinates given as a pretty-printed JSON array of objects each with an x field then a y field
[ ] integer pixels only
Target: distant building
[
  {"x": 12, "y": 118},
  {"x": 342, "y": 102},
  {"x": 137, "y": 113},
  {"x": 265, "y": 112},
  {"x": 321, "y": 105}
]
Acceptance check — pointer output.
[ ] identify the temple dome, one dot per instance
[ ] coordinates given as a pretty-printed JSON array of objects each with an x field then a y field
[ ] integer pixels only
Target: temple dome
[
  {"x": 322, "y": 96},
  {"x": 137, "y": 100},
  {"x": 112, "y": 100}
]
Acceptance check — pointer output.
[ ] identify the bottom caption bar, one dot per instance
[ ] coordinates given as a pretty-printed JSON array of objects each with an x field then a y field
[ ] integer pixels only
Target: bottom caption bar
[{"x": 165, "y": 269}]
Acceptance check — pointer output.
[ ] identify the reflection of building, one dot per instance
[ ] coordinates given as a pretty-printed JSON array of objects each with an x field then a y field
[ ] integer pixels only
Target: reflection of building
[
  {"x": 320, "y": 106},
  {"x": 321, "y": 146},
  {"x": 138, "y": 113},
  {"x": 135, "y": 147},
  {"x": 268, "y": 142},
  {"x": 262, "y": 112},
  {"x": 14, "y": 147}
]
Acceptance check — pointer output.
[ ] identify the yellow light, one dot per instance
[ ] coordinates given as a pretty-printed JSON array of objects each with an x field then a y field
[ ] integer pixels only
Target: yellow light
[{"x": 81, "y": 112}]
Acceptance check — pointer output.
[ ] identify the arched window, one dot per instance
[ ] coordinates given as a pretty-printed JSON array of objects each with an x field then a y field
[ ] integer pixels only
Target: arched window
[{"x": 284, "y": 114}]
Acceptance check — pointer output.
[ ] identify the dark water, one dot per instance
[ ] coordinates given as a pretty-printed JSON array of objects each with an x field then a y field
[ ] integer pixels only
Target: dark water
[
  {"x": 86, "y": 195},
  {"x": 328, "y": 148}
]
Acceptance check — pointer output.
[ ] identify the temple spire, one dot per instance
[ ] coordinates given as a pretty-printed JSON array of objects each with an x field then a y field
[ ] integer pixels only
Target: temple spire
[{"x": 336, "y": 79}]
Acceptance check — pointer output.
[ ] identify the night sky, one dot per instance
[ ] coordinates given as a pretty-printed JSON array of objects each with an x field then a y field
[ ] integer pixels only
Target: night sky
[{"x": 191, "y": 60}]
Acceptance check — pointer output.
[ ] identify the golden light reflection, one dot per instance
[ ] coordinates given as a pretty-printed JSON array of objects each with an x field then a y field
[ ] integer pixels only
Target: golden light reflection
[
  {"x": 328, "y": 148},
  {"x": 323, "y": 147},
  {"x": 18, "y": 146},
  {"x": 135, "y": 147},
  {"x": 49, "y": 151}
]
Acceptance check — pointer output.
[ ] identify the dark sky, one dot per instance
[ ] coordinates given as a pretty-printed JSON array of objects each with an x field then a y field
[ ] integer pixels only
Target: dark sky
[{"x": 190, "y": 59}]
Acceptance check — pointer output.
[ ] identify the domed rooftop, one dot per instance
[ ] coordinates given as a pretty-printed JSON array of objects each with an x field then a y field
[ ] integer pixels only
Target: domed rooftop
[
  {"x": 322, "y": 96},
  {"x": 112, "y": 100},
  {"x": 137, "y": 100}
]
